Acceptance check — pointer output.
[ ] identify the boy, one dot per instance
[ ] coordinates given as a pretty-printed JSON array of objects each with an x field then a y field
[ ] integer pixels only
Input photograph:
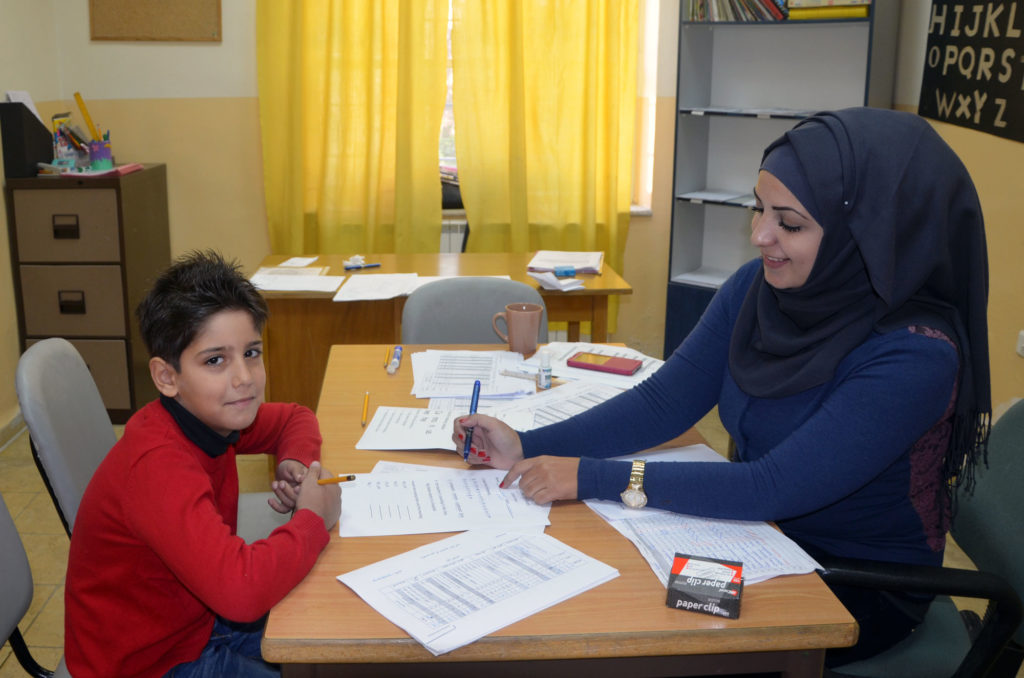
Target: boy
[{"x": 155, "y": 569}]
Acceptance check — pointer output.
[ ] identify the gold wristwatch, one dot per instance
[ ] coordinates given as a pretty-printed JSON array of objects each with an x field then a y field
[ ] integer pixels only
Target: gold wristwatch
[{"x": 633, "y": 496}]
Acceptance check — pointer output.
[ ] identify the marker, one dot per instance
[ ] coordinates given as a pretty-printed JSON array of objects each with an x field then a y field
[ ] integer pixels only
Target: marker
[
  {"x": 387, "y": 356},
  {"x": 356, "y": 267},
  {"x": 472, "y": 410},
  {"x": 396, "y": 360},
  {"x": 366, "y": 403},
  {"x": 335, "y": 479}
]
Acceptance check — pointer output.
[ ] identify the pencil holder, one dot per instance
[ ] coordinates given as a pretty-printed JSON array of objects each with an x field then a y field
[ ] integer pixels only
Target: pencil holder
[{"x": 100, "y": 155}]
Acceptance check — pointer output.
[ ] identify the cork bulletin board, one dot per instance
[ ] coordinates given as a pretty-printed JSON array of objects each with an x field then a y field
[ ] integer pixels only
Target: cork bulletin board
[{"x": 181, "y": 20}]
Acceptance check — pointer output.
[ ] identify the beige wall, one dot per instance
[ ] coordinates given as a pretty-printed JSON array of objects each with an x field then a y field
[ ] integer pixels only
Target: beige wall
[
  {"x": 24, "y": 27},
  {"x": 193, "y": 106}
]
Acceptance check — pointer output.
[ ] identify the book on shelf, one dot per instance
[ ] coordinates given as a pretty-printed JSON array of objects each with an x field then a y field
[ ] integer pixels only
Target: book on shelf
[
  {"x": 826, "y": 3},
  {"x": 833, "y": 12},
  {"x": 735, "y": 11}
]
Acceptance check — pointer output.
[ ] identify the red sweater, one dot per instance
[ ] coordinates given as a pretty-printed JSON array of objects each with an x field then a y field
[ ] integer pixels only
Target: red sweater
[{"x": 154, "y": 556}]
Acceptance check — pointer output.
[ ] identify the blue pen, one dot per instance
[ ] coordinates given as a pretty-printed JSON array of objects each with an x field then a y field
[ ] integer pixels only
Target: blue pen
[
  {"x": 355, "y": 267},
  {"x": 396, "y": 360},
  {"x": 472, "y": 410}
]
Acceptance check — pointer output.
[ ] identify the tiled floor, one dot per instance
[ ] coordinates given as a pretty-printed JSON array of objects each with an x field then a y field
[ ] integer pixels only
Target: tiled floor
[{"x": 47, "y": 543}]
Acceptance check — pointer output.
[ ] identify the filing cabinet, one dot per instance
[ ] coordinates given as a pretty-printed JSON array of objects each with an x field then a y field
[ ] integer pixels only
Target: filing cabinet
[{"x": 84, "y": 251}]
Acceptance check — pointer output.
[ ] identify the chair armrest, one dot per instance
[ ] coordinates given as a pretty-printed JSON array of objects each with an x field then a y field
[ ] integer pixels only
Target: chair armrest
[{"x": 1002, "y": 617}]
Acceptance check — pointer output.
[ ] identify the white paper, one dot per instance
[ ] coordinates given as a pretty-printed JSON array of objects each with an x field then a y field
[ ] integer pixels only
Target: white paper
[
  {"x": 764, "y": 551},
  {"x": 454, "y": 591},
  {"x": 408, "y": 428},
  {"x": 292, "y": 270},
  {"x": 21, "y": 96},
  {"x": 376, "y": 286},
  {"x": 451, "y": 374},
  {"x": 550, "y": 281},
  {"x": 424, "y": 279},
  {"x": 298, "y": 261},
  {"x": 411, "y": 428},
  {"x": 583, "y": 262},
  {"x": 297, "y": 283},
  {"x": 557, "y": 404},
  {"x": 444, "y": 500}
]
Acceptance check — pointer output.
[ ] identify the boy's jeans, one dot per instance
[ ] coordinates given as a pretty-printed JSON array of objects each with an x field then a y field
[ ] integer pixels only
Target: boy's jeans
[{"x": 233, "y": 650}]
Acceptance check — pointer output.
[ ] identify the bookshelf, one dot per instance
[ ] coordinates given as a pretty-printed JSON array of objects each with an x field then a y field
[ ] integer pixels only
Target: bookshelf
[{"x": 740, "y": 86}]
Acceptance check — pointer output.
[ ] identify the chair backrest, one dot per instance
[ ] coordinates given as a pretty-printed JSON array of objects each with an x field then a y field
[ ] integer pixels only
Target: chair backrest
[
  {"x": 69, "y": 427},
  {"x": 987, "y": 523},
  {"x": 459, "y": 310},
  {"x": 15, "y": 575},
  {"x": 16, "y": 596}
]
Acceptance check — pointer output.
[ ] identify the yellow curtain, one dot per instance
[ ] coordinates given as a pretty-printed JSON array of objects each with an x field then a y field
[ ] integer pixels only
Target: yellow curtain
[
  {"x": 544, "y": 99},
  {"x": 351, "y": 97}
]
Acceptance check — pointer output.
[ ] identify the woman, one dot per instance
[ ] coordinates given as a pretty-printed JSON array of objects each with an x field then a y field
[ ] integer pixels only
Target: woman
[{"x": 849, "y": 364}]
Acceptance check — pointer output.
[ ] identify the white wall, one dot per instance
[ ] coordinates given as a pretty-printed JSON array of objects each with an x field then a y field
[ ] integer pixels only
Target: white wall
[
  {"x": 153, "y": 70},
  {"x": 912, "y": 40}
]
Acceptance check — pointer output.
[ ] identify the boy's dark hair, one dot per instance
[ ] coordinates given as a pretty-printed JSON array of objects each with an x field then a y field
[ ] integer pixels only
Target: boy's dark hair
[{"x": 196, "y": 286}]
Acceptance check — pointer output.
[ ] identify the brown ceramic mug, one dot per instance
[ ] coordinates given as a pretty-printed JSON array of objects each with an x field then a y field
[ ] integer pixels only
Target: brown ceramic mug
[{"x": 523, "y": 323}]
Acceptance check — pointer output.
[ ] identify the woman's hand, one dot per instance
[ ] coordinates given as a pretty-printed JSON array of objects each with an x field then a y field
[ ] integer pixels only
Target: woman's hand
[
  {"x": 545, "y": 479},
  {"x": 290, "y": 474},
  {"x": 494, "y": 441}
]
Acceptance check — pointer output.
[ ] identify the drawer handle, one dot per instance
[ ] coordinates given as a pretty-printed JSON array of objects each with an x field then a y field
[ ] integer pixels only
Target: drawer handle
[
  {"x": 65, "y": 227},
  {"x": 72, "y": 302}
]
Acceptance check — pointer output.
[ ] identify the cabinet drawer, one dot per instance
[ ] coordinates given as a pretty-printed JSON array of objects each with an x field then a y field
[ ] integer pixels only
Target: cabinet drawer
[
  {"x": 72, "y": 301},
  {"x": 108, "y": 362},
  {"x": 67, "y": 225}
]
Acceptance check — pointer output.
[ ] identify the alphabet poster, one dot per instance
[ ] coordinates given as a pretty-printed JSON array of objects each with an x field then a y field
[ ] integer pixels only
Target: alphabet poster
[{"x": 974, "y": 66}]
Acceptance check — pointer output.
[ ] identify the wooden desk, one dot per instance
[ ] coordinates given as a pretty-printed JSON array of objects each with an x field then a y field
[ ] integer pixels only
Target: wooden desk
[
  {"x": 303, "y": 325},
  {"x": 621, "y": 628}
]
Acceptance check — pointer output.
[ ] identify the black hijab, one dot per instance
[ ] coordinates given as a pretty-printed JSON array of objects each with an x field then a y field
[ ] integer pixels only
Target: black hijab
[{"x": 903, "y": 244}]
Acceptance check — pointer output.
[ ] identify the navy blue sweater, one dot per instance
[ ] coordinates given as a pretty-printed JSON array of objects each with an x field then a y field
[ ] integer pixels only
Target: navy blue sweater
[{"x": 832, "y": 465}]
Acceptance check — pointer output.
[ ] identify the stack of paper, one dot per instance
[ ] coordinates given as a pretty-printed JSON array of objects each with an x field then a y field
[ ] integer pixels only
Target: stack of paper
[
  {"x": 412, "y": 428},
  {"x": 554, "y": 405},
  {"x": 582, "y": 262},
  {"x": 418, "y": 499},
  {"x": 764, "y": 551},
  {"x": 376, "y": 286},
  {"x": 290, "y": 278},
  {"x": 457, "y": 590},
  {"x": 450, "y": 374},
  {"x": 550, "y": 282}
]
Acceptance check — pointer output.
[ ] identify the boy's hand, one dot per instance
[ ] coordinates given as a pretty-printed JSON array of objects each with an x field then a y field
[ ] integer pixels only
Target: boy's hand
[
  {"x": 290, "y": 474},
  {"x": 323, "y": 500}
]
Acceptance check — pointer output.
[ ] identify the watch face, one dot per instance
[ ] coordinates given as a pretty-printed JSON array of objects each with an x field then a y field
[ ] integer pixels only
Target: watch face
[{"x": 634, "y": 498}]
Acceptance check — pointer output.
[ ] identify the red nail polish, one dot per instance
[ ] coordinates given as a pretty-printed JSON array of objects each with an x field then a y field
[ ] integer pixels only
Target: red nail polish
[
  {"x": 461, "y": 437},
  {"x": 502, "y": 484}
]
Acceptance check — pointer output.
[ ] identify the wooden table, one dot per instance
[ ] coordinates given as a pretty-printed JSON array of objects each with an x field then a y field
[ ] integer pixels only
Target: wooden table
[
  {"x": 621, "y": 628},
  {"x": 303, "y": 325}
]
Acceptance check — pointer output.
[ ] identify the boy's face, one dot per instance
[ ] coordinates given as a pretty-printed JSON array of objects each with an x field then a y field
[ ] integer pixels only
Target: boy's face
[{"x": 222, "y": 377}]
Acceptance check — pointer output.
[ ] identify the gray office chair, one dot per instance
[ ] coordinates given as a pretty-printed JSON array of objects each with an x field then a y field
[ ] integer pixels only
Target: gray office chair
[
  {"x": 70, "y": 432},
  {"x": 16, "y": 596},
  {"x": 987, "y": 527},
  {"x": 459, "y": 310}
]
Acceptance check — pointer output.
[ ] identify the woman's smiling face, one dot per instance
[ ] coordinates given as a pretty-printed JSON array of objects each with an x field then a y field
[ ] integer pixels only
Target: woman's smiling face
[{"x": 785, "y": 232}]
